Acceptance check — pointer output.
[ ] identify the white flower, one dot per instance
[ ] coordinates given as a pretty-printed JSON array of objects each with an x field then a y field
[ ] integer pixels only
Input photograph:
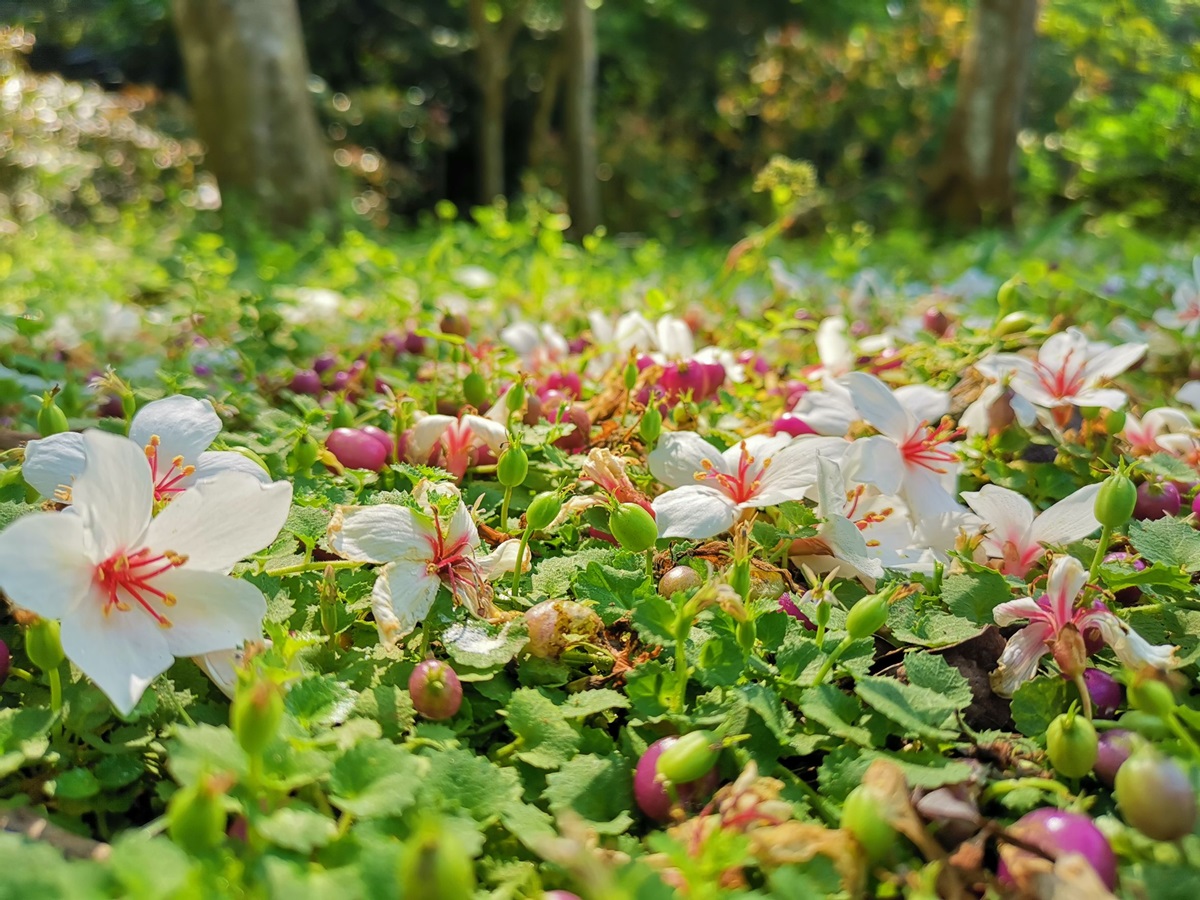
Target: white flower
[
  {"x": 134, "y": 592},
  {"x": 453, "y": 443},
  {"x": 829, "y": 411},
  {"x": 1185, "y": 316},
  {"x": 420, "y": 550},
  {"x": 1160, "y": 429},
  {"x": 979, "y": 418},
  {"x": 175, "y": 433},
  {"x": 1068, "y": 371},
  {"x": 539, "y": 346},
  {"x": 1018, "y": 537},
  {"x": 834, "y": 346},
  {"x": 712, "y": 489}
]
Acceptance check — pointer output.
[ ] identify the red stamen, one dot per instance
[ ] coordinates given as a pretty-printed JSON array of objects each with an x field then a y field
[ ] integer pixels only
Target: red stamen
[
  {"x": 922, "y": 446},
  {"x": 740, "y": 487},
  {"x": 124, "y": 576}
]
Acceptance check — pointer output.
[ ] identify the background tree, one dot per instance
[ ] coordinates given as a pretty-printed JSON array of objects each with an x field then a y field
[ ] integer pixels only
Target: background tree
[
  {"x": 583, "y": 190},
  {"x": 973, "y": 180},
  {"x": 494, "y": 27},
  {"x": 247, "y": 74}
]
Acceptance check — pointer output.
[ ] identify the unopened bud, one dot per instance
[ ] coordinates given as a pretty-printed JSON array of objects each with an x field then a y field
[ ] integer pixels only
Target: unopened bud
[
  {"x": 43, "y": 645},
  {"x": 196, "y": 815},
  {"x": 255, "y": 715},
  {"x": 1070, "y": 652}
]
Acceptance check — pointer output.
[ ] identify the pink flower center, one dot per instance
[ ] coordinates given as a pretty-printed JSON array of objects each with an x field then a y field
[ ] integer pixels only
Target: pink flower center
[
  {"x": 458, "y": 440},
  {"x": 740, "y": 486},
  {"x": 167, "y": 479},
  {"x": 1065, "y": 381},
  {"x": 126, "y": 577},
  {"x": 453, "y": 562},
  {"x": 924, "y": 447}
]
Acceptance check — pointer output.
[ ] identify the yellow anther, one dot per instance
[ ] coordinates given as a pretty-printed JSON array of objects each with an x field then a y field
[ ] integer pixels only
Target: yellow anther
[
  {"x": 177, "y": 462},
  {"x": 169, "y": 599},
  {"x": 164, "y": 623},
  {"x": 188, "y": 470}
]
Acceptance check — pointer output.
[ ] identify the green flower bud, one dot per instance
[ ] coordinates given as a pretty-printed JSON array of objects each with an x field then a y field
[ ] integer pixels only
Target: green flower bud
[
  {"x": 196, "y": 817},
  {"x": 633, "y": 527},
  {"x": 475, "y": 390},
  {"x": 862, "y": 816},
  {"x": 51, "y": 419},
  {"x": 1072, "y": 745},
  {"x": 514, "y": 400},
  {"x": 690, "y": 757},
  {"x": 343, "y": 414},
  {"x": 1114, "y": 421},
  {"x": 631, "y": 375},
  {"x": 1152, "y": 696},
  {"x": 512, "y": 466},
  {"x": 435, "y": 866},
  {"x": 543, "y": 509},
  {"x": 867, "y": 616},
  {"x": 651, "y": 425},
  {"x": 255, "y": 715},
  {"x": 43, "y": 645},
  {"x": 1115, "y": 500}
]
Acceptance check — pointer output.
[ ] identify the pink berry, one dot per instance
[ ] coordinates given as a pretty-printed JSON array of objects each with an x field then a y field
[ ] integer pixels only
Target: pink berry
[
  {"x": 435, "y": 690},
  {"x": 380, "y": 435},
  {"x": 1157, "y": 501},
  {"x": 5, "y": 662},
  {"x": 1054, "y": 831},
  {"x": 306, "y": 381},
  {"x": 791, "y": 424},
  {"x": 356, "y": 450}
]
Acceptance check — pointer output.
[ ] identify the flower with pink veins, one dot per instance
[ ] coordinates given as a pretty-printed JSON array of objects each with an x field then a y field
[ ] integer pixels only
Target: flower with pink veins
[
  {"x": 539, "y": 346},
  {"x": 1055, "y": 612},
  {"x": 1159, "y": 431},
  {"x": 134, "y": 591},
  {"x": 712, "y": 489},
  {"x": 1068, "y": 371},
  {"x": 175, "y": 433},
  {"x": 1018, "y": 537},
  {"x": 454, "y": 443},
  {"x": 1184, "y": 316},
  {"x": 421, "y": 547},
  {"x": 908, "y": 457}
]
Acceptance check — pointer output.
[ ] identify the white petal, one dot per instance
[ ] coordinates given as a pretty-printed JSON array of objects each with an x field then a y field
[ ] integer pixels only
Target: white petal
[
  {"x": 43, "y": 564},
  {"x": 184, "y": 425},
  {"x": 221, "y": 668},
  {"x": 1130, "y": 647},
  {"x": 425, "y": 435},
  {"x": 221, "y": 521},
  {"x": 878, "y": 406},
  {"x": 849, "y": 544},
  {"x": 212, "y": 612},
  {"x": 121, "y": 652},
  {"x": 680, "y": 455},
  {"x": 1015, "y": 610},
  {"x": 461, "y": 526},
  {"x": 675, "y": 338},
  {"x": 1066, "y": 347},
  {"x": 1167, "y": 420},
  {"x": 403, "y": 595},
  {"x": 1007, "y": 514},
  {"x": 1071, "y": 519},
  {"x": 1113, "y": 361},
  {"x": 523, "y": 337},
  {"x": 1066, "y": 579},
  {"x": 875, "y": 461},
  {"x": 487, "y": 431},
  {"x": 833, "y": 347},
  {"x": 793, "y": 470},
  {"x": 53, "y": 462},
  {"x": 1104, "y": 398},
  {"x": 924, "y": 403},
  {"x": 114, "y": 494},
  {"x": 215, "y": 462},
  {"x": 503, "y": 560},
  {"x": 694, "y": 511},
  {"x": 1019, "y": 661},
  {"x": 379, "y": 534},
  {"x": 1189, "y": 394},
  {"x": 825, "y": 412}
]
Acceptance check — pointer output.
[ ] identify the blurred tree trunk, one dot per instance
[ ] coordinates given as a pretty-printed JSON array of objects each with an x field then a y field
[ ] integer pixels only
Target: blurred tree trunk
[
  {"x": 247, "y": 73},
  {"x": 972, "y": 182},
  {"x": 493, "y": 42},
  {"x": 583, "y": 190}
]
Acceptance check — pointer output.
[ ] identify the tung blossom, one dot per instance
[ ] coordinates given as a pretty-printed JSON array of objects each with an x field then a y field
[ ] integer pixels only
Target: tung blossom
[
  {"x": 711, "y": 489},
  {"x": 1184, "y": 316},
  {"x": 1018, "y": 537},
  {"x": 421, "y": 548},
  {"x": 1053, "y": 613},
  {"x": 539, "y": 346},
  {"x": 175, "y": 434},
  {"x": 1163, "y": 429},
  {"x": 454, "y": 443},
  {"x": 134, "y": 592}
]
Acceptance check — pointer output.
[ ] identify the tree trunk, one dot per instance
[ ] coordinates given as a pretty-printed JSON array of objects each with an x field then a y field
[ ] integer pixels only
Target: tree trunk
[
  {"x": 583, "y": 190},
  {"x": 492, "y": 45},
  {"x": 247, "y": 73},
  {"x": 972, "y": 182}
]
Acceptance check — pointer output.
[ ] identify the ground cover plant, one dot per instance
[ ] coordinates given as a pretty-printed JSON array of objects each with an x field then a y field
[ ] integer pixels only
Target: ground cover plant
[{"x": 491, "y": 565}]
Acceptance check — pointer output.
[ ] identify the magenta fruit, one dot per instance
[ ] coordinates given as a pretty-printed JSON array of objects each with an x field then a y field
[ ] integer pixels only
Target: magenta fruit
[
  {"x": 380, "y": 435},
  {"x": 1054, "y": 831},
  {"x": 306, "y": 381},
  {"x": 1105, "y": 692},
  {"x": 680, "y": 578},
  {"x": 935, "y": 321},
  {"x": 435, "y": 690},
  {"x": 5, "y": 662},
  {"x": 1115, "y": 747},
  {"x": 559, "y": 895},
  {"x": 324, "y": 363},
  {"x": 356, "y": 450},
  {"x": 651, "y": 793},
  {"x": 1156, "y": 501},
  {"x": 791, "y": 424}
]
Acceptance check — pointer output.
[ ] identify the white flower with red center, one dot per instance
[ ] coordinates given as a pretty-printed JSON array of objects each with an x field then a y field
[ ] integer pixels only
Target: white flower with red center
[
  {"x": 910, "y": 456},
  {"x": 1184, "y": 316},
  {"x": 1068, "y": 371},
  {"x": 1018, "y": 537},
  {"x": 539, "y": 346},
  {"x": 175, "y": 434},
  {"x": 712, "y": 489},
  {"x": 134, "y": 592},
  {"x": 1161, "y": 430},
  {"x": 455, "y": 443},
  {"x": 1054, "y": 612},
  {"x": 421, "y": 548}
]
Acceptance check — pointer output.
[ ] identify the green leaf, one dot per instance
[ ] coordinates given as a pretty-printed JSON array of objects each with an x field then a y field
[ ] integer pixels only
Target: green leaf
[
  {"x": 463, "y": 780},
  {"x": 1162, "y": 623},
  {"x": 546, "y": 741},
  {"x": 920, "y": 711},
  {"x": 388, "y": 705},
  {"x": 553, "y": 576},
  {"x": 1170, "y": 541},
  {"x": 654, "y": 621},
  {"x": 148, "y": 867},
  {"x": 76, "y": 784},
  {"x": 926, "y": 625},
  {"x": 1171, "y": 468},
  {"x": 1037, "y": 702},
  {"x": 320, "y": 700},
  {"x": 843, "y": 769},
  {"x": 837, "y": 712},
  {"x": 478, "y": 645},
  {"x": 616, "y": 587},
  {"x": 588, "y": 703},
  {"x": 928, "y": 670},
  {"x": 118, "y": 770},
  {"x": 528, "y": 824},
  {"x": 375, "y": 778},
  {"x": 799, "y": 659},
  {"x": 308, "y": 523},
  {"x": 296, "y": 828},
  {"x": 974, "y": 596},
  {"x": 202, "y": 750},
  {"x": 596, "y": 788},
  {"x": 10, "y": 512},
  {"x": 650, "y": 687}
]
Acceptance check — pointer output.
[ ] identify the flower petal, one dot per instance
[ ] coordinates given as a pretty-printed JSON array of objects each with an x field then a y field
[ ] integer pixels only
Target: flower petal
[
  {"x": 221, "y": 521},
  {"x": 425, "y": 435},
  {"x": 694, "y": 511},
  {"x": 877, "y": 404},
  {"x": 1113, "y": 361},
  {"x": 403, "y": 595},
  {"x": 185, "y": 427},
  {"x": 1071, "y": 519},
  {"x": 488, "y": 431},
  {"x": 1019, "y": 661},
  {"x": 212, "y": 611},
  {"x": 1007, "y": 514},
  {"x": 122, "y": 652},
  {"x": 1015, "y": 610},
  {"x": 875, "y": 461},
  {"x": 43, "y": 564},
  {"x": 113, "y": 494},
  {"x": 53, "y": 462},
  {"x": 379, "y": 534},
  {"x": 1130, "y": 647},
  {"x": 216, "y": 462},
  {"x": 1066, "y": 579},
  {"x": 503, "y": 560},
  {"x": 680, "y": 455},
  {"x": 924, "y": 403}
]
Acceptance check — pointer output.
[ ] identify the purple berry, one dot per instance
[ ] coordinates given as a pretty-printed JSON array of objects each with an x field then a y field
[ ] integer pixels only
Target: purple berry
[
  {"x": 306, "y": 381},
  {"x": 1113, "y": 749},
  {"x": 380, "y": 435},
  {"x": 935, "y": 321},
  {"x": 1156, "y": 501},
  {"x": 1054, "y": 831},
  {"x": 5, "y": 662},
  {"x": 651, "y": 794},
  {"x": 324, "y": 363},
  {"x": 566, "y": 383},
  {"x": 1105, "y": 692},
  {"x": 356, "y": 450},
  {"x": 435, "y": 689}
]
